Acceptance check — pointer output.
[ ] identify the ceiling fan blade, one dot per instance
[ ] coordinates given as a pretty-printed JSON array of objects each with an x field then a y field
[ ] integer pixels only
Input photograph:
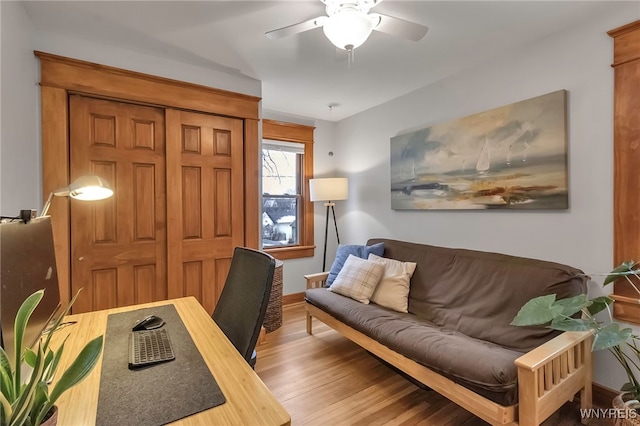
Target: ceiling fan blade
[
  {"x": 398, "y": 27},
  {"x": 297, "y": 28}
]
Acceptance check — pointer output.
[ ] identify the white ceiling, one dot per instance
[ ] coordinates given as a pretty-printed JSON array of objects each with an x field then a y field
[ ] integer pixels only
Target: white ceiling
[{"x": 304, "y": 74}]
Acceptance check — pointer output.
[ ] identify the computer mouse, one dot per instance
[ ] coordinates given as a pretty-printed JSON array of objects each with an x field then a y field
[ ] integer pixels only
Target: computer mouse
[{"x": 148, "y": 323}]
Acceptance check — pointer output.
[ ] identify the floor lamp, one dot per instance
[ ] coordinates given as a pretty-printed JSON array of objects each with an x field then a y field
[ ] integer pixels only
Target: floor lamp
[{"x": 328, "y": 190}]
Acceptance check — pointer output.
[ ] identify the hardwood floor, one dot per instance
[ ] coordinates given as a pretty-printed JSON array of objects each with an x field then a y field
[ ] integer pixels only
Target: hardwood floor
[{"x": 325, "y": 379}]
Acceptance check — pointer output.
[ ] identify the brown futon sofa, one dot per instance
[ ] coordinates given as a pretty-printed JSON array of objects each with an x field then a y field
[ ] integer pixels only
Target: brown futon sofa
[{"x": 457, "y": 338}]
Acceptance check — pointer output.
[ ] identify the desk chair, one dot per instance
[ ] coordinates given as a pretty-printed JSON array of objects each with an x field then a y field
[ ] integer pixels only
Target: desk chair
[{"x": 243, "y": 302}]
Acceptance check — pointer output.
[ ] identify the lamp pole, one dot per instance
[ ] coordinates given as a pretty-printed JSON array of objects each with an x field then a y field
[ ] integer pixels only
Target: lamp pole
[
  {"x": 329, "y": 205},
  {"x": 326, "y": 233}
]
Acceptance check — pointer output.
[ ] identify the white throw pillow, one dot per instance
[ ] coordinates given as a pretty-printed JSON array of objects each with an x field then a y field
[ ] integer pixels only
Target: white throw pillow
[
  {"x": 358, "y": 278},
  {"x": 393, "y": 289}
]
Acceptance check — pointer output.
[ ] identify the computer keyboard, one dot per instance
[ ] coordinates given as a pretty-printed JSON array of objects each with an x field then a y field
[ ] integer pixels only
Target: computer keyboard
[{"x": 149, "y": 347}]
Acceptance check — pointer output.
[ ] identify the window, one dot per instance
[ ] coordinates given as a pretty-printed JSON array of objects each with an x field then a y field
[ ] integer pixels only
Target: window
[
  {"x": 281, "y": 193},
  {"x": 287, "y": 166}
]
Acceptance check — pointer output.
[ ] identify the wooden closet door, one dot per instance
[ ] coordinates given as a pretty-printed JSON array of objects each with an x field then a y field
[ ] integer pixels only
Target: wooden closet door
[
  {"x": 205, "y": 188},
  {"x": 118, "y": 245}
]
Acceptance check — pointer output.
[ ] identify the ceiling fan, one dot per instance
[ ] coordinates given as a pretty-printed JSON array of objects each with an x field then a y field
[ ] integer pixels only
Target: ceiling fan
[{"x": 348, "y": 24}]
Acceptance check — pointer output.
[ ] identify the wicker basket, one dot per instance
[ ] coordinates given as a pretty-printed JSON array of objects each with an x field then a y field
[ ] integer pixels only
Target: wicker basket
[
  {"x": 629, "y": 419},
  {"x": 273, "y": 317}
]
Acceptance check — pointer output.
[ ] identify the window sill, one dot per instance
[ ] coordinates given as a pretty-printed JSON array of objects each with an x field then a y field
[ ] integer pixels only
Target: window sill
[{"x": 296, "y": 252}]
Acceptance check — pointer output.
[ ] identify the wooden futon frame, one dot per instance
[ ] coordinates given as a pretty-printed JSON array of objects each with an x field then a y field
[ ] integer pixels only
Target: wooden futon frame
[{"x": 548, "y": 376}]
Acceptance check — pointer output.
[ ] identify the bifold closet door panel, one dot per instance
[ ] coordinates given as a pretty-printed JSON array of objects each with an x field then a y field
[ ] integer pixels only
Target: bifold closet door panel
[
  {"x": 205, "y": 195},
  {"x": 118, "y": 245}
]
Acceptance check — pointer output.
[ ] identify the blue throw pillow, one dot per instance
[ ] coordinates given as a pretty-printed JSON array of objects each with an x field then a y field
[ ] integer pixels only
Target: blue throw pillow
[{"x": 343, "y": 253}]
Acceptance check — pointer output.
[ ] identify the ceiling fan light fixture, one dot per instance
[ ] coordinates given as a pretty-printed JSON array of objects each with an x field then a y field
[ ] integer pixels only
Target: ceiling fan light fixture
[{"x": 348, "y": 29}]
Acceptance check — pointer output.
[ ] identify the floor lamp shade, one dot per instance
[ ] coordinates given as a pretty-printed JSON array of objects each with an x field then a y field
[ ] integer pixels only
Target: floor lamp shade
[{"x": 328, "y": 189}]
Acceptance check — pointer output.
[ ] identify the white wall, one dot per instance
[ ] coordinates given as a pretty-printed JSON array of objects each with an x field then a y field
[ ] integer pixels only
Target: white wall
[
  {"x": 324, "y": 165},
  {"x": 20, "y": 151},
  {"x": 578, "y": 60}
]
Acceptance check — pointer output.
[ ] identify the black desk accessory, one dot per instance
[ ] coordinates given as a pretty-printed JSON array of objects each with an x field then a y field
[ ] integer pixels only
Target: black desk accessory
[{"x": 148, "y": 347}]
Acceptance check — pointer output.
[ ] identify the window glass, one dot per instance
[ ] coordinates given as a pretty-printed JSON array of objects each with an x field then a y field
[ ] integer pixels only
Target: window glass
[{"x": 281, "y": 193}]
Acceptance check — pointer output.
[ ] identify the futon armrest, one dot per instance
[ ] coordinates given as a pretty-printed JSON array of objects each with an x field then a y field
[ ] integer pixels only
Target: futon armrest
[
  {"x": 552, "y": 374},
  {"x": 541, "y": 355},
  {"x": 316, "y": 280}
]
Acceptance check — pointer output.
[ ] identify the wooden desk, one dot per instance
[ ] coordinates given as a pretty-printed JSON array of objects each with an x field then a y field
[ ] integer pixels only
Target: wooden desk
[{"x": 248, "y": 399}]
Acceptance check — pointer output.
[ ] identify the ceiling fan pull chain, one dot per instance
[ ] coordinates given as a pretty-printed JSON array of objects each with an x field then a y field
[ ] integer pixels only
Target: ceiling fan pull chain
[{"x": 350, "y": 55}]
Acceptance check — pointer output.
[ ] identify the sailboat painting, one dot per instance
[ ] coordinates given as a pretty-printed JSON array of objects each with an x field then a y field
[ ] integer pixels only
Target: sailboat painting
[{"x": 511, "y": 157}]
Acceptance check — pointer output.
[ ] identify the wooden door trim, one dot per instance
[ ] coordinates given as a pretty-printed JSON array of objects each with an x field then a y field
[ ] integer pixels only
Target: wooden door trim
[
  {"x": 60, "y": 76},
  {"x": 626, "y": 54},
  {"x": 174, "y": 216},
  {"x": 283, "y": 131},
  {"x": 252, "y": 163},
  {"x": 55, "y": 174},
  {"x": 626, "y": 43},
  {"x": 103, "y": 80}
]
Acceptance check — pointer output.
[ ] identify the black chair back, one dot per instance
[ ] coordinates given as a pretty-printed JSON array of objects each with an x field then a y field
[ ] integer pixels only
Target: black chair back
[{"x": 243, "y": 302}]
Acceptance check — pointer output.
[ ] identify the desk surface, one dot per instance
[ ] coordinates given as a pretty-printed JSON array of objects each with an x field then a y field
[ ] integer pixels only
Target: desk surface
[{"x": 248, "y": 399}]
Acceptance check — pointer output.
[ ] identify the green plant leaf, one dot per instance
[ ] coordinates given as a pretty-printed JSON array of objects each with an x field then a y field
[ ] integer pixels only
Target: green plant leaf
[
  {"x": 7, "y": 412},
  {"x": 618, "y": 271},
  {"x": 23, "y": 405},
  {"x": 79, "y": 369},
  {"x": 4, "y": 360},
  {"x": 40, "y": 401},
  {"x": 26, "y": 404},
  {"x": 20, "y": 325},
  {"x": 53, "y": 367},
  {"x": 6, "y": 383},
  {"x": 47, "y": 360},
  {"x": 539, "y": 310},
  {"x": 610, "y": 336},
  {"x": 6, "y": 377},
  {"x": 57, "y": 323},
  {"x": 599, "y": 304},
  {"x": 628, "y": 387},
  {"x": 571, "y": 305},
  {"x": 30, "y": 357},
  {"x": 573, "y": 324}
]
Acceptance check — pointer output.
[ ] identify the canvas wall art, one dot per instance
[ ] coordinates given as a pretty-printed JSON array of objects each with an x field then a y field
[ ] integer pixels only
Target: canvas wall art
[{"x": 512, "y": 157}]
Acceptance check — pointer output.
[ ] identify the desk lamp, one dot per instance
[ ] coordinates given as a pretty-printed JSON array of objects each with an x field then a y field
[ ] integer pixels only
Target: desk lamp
[
  {"x": 329, "y": 190},
  {"x": 87, "y": 187}
]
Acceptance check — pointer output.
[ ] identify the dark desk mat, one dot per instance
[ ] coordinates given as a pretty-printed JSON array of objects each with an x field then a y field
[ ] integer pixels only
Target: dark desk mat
[{"x": 156, "y": 394}]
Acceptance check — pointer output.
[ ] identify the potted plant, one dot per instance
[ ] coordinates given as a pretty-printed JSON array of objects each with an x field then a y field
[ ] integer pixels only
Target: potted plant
[
  {"x": 26, "y": 397},
  {"x": 578, "y": 314}
]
